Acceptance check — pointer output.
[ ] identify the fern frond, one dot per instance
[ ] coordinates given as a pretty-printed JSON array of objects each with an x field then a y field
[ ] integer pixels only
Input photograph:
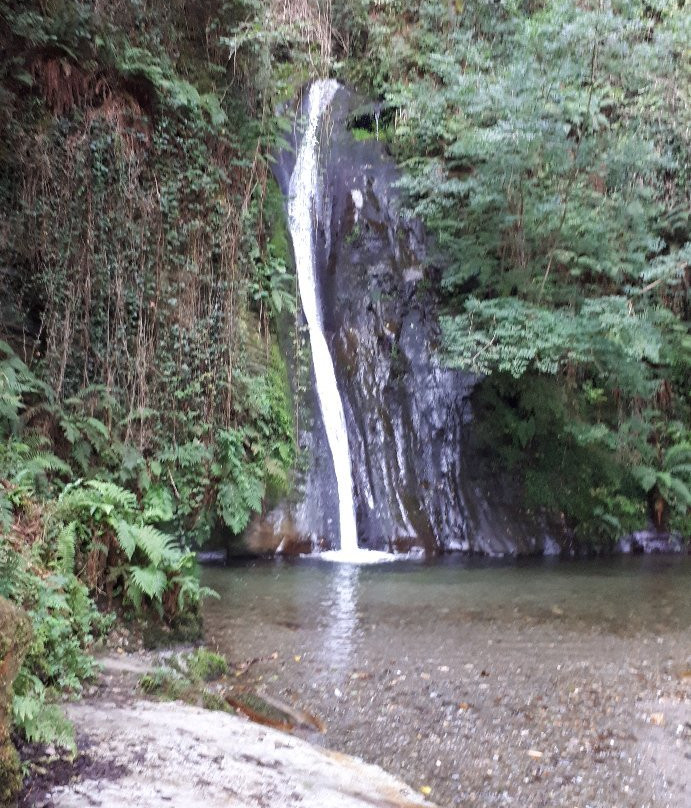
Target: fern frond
[
  {"x": 149, "y": 580},
  {"x": 100, "y": 391},
  {"x": 6, "y": 512},
  {"x": 113, "y": 494},
  {"x": 92, "y": 426},
  {"x": 252, "y": 492},
  {"x": 42, "y": 463},
  {"x": 50, "y": 725},
  {"x": 678, "y": 456},
  {"x": 126, "y": 537},
  {"x": 158, "y": 505},
  {"x": 679, "y": 490},
  {"x": 156, "y": 545},
  {"x": 66, "y": 545},
  {"x": 233, "y": 510}
]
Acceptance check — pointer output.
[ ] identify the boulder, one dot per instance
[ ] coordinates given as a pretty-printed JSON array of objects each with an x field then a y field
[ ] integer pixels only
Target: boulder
[{"x": 157, "y": 755}]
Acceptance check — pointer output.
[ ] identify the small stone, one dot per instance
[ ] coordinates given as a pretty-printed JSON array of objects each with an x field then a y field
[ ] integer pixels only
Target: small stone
[{"x": 534, "y": 753}]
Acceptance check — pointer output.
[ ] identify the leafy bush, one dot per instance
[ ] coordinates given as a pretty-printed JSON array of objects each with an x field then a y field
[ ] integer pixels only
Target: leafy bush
[
  {"x": 65, "y": 622},
  {"x": 100, "y": 527},
  {"x": 185, "y": 677},
  {"x": 63, "y": 546},
  {"x": 163, "y": 682},
  {"x": 154, "y": 349}
]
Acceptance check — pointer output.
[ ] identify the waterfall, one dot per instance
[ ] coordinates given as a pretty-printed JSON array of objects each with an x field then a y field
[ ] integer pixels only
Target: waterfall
[
  {"x": 302, "y": 197},
  {"x": 303, "y": 185}
]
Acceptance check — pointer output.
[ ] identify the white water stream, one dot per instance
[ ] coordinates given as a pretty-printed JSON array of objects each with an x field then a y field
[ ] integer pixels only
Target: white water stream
[{"x": 302, "y": 196}]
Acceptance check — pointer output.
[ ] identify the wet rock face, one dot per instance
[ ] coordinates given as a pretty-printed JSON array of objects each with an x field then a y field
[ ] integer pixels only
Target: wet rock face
[
  {"x": 15, "y": 634},
  {"x": 407, "y": 416},
  {"x": 405, "y": 413}
]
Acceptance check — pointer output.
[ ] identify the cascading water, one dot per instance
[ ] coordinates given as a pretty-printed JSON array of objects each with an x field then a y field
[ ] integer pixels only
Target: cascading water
[{"x": 302, "y": 196}]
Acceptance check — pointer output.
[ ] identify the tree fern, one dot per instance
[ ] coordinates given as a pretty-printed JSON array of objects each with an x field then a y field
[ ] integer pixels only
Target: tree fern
[
  {"x": 676, "y": 491},
  {"x": 673, "y": 480},
  {"x": 678, "y": 459}
]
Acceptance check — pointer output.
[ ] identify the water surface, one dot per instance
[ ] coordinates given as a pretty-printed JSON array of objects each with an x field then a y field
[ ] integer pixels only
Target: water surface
[{"x": 527, "y": 683}]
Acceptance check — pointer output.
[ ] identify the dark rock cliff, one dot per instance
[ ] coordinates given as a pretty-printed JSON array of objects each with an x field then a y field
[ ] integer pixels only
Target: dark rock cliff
[{"x": 407, "y": 415}]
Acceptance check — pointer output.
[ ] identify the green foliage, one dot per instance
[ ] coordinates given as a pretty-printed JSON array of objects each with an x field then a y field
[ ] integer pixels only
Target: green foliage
[
  {"x": 671, "y": 478},
  {"x": 239, "y": 465},
  {"x": 273, "y": 286},
  {"x": 184, "y": 677},
  {"x": 16, "y": 381},
  {"x": 534, "y": 428},
  {"x": 142, "y": 284},
  {"x": 65, "y": 622},
  {"x": 161, "y": 268},
  {"x": 509, "y": 335},
  {"x": 546, "y": 147},
  {"x": 206, "y": 665},
  {"x": 164, "y": 683},
  {"x": 62, "y": 545},
  {"x": 140, "y": 63},
  {"x": 103, "y": 525}
]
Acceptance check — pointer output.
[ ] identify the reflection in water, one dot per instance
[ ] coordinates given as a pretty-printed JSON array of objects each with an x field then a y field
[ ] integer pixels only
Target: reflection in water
[
  {"x": 316, "y": 608},
  {"x": 339, "y": 642},
  {"x": 460, "y": 668}
]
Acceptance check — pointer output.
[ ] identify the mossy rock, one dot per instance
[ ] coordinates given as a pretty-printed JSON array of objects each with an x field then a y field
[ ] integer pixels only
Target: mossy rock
[
  {"x": 206, "y": 665},
  {"x": 15, "y": 635}
]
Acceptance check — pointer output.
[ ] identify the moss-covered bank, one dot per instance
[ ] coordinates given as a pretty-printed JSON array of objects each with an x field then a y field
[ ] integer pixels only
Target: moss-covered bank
[{"x": 15, "y": 635}]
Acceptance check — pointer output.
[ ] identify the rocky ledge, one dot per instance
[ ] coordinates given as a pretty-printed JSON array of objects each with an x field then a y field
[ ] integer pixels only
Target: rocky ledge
[{"x": 170, "y": 754}]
